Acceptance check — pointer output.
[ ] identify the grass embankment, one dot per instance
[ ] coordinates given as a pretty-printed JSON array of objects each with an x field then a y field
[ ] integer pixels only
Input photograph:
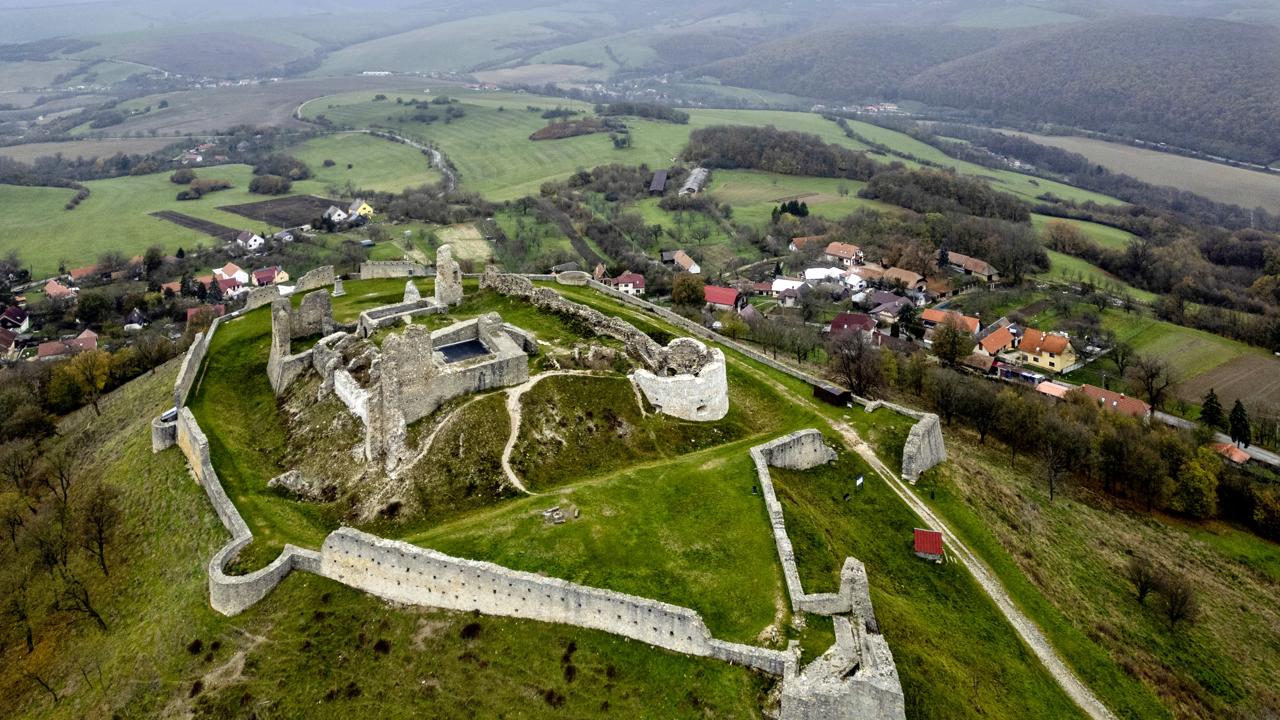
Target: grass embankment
[
  {"x": 828, "y": 520},
  {"x": 462, "y": 469},
  {"x": 1063, "y": 563}
]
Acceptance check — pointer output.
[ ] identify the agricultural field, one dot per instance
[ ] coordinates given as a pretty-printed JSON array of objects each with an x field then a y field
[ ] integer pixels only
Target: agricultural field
[
  {"x": 494, "y": 156},
  {"x": 754, "y": 194},
  {"x": 467, "y": 242},
  {"x": 541, "y": 74},
  {"x": 116, "y": 216},
  {"x": 18, "y": 75},
  {"x": 460, "y": 45},
  {"x": 1216, "y": 181},
  {"x": 377, "y": 164},
  {"x": 105, "y": 147},
  {"x": 283, "y": 212}
]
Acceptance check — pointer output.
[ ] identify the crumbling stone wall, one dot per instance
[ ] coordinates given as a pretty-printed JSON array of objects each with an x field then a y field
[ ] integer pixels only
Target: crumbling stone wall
[
  {"x": 317, "y": 278},
  {"x": 259, "y": 296},
  {"x": 856, "y": 677},
  {"x": 371, "y": 269},
  {"x": 411, "y": 292},
  {"x": 573, "y": 277},
  {"x": 313, "y": 316},
  {"x": 448, "y": 278},
  {"x": 412, "y": 575},
  {"x": 282, "y": 367},
  {"x": 924, "y": 447},
  {"x": 163, "y": 434},
  {"x": 191, "y": 362}
]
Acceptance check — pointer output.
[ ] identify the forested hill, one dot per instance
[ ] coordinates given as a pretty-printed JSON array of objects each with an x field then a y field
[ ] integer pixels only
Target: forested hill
[
  {"x": 852, "y": 64},
  {"x": 1203, "y": 83},
  {"x": 1206, "y": 84}
]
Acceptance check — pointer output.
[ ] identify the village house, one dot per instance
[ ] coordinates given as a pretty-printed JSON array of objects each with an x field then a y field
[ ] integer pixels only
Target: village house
[
  {"x": 359, "y": 208},
  {"x": 231, "y": 271},
  {"x": 851, "y": 322},
  {"x": 966, "y": 265},
  {"x": 599, "y": 273},
  {"x": 821, "y": 274},
  {"x": 1117, "y": 402},
  {"x": 932, "y": 317},
  {"x": 630, "y": 283},
  {"x": 843, "y": 253},
  {"x": 1046, "y": 351},
  {"x": 250, "y": 241},
  {"x": 1232, "y": 453},
  {"x": 135, "y": 320},
  {"x": 913, "y": 281},
  {"x": 997, "y": 341},
  {"x": 231, "y": 287},
  {"x": 789, "y": 298},
  {"x": 55, "y": 290},
  {"x": 16, "y": 319},
  {"x": 273, "y": 275},
  {"x": 681, "y": 260},
  {"x": 889, "y": 310},
  {"x": 783, "y": 284},
  {"x": 59, "y": 349},
  {"x": 722, "y": 298},
  {"x": 335, "y": 215},
  {"x": 800, "y": 243}
]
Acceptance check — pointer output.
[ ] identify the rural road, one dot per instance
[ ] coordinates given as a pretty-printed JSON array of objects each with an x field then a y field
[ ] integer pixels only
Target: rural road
[
  {"x": 513, "y": 409},
  {"x": 1254, "y": 451}
]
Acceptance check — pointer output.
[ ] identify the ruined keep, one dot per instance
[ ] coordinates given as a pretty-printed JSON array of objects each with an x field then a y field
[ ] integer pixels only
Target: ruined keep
[
  {"x": 448, "y": 278},
  {"x": 924, "y": 447},
  {"x": 414, "y": 373},
  {"x": 694, "y": 385}
]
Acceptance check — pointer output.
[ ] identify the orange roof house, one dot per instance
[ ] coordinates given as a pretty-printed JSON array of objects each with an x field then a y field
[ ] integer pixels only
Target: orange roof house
[
  {"x": 1046, "y": 351},
  {"x": 997, "y": 342},
  {"x": 1118, "y": 402},
  {"x": 934, "y": 316}
]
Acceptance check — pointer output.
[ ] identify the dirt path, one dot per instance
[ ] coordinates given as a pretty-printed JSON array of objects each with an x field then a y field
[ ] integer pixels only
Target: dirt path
[{"x": 513, "y": 409}]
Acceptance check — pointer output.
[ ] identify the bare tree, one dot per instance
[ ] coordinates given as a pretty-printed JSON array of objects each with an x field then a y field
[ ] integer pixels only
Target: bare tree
[
  {"x": 17, "y": 607},
  {"x": 73, "y": 596},
  {"x": 855, "y": 361},
  {"x": 17, "y": 461},
  {"x": 99, "y": 515},
  {"x": 1178, "y": 600},
  {"x": 1142, "y": 574},
  {"x": 1121, "y": 356},
  {"x": 61, "y": 469},
  {"x": 1063, "y": 443},
  {"x": 1153, "y": 377}
]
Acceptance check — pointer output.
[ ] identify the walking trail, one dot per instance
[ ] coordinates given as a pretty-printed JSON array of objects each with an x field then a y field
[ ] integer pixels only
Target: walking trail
[{"x": 513, "y": 409}]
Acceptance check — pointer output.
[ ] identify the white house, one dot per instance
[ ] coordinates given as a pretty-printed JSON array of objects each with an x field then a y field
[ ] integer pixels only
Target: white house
[
  {"x": 854, "y": 281},
  {"x": 250, "y": 241},
  {"x": 335, "y": 214},
  {"x": 781, "y": 285},
  {"x": 819, "y": 274},
  {"x": 630, "y": 283}
]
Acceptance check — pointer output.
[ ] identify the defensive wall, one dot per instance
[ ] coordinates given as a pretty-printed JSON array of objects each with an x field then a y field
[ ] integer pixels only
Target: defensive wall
[
  {"x": 854, "y": 678},
  {"x": 371, "y": 269}
]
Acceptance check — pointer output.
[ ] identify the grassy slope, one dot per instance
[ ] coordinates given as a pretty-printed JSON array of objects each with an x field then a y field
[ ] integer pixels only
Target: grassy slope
[
  {"x": 1067, "y": 267},
  {"x": 1103, "y": 235},
  {"x": 828, "y": 520},
  {"x": 1063, "y": 563},
  {"x": 378, "y": 164}
]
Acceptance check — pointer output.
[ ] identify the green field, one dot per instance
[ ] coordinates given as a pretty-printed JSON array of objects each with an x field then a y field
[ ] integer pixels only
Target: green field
[
  {"x": 1102, "y": 235},
  {"x": 754, "y": 194},
  {"x": 1073, "y": 269},
  {"x": 115, "y": 215},
  {"x": 495, "y": 157},
  {"x": 377, "y": 164}
]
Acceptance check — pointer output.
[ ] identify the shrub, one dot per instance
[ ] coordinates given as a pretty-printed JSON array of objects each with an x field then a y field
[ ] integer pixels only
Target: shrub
[
  {"x": 183, "y": 176},
  {"x": 270, "y": 185}
]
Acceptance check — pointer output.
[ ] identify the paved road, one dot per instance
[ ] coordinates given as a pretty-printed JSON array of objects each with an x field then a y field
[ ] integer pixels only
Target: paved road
[{"x": 1255, "y": 452}]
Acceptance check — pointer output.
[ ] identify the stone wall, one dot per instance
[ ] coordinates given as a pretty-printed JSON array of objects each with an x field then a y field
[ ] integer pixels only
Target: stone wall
[
  {"x": 573, "y": 277},
  {"x": 924, "y": 448},
  {"x": 314, "y": 316},
  {"x": 371, "y": 320},
  {"x": 319, "y": 277},
  {"x": 259, "y": 296},
  {"x": 191, "y": 362},
  {"x": 282, "y": 367},
  {"x": 163, "y": 434},
  {"x": 412, "y": 575},
  {"x": 371, "y": 269}
]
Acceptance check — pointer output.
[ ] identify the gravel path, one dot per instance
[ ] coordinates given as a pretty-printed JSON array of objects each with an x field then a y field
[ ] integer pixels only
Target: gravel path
[{"x": 513, "y": 409}]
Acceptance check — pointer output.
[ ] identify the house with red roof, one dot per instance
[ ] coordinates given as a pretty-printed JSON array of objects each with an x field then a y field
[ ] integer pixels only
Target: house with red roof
[
  {"x": 1047, "y": 351},
  {"x": 231, "y": 271},
  {"x": 269, "y": 276},
  {"x": 214, "y": 311},
  {"x": 850, "y": 322},
  {"x": 928, "y": 545},
  {"x": 908, "y": 279},
  {"x": 55, "y": 290},
  {"x": 801, "y": 243},
  {"x": 59, "y": 349},
  {"x": 723, "y": 298},
  {"x": 1117, "y": 402},
  {"x": 630, "y": 283},
  {"x": 1231, "y": 453}
]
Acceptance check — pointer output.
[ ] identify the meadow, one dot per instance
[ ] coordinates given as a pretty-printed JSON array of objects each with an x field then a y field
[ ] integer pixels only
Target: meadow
[
  {"x": 115, "y": 216},
  {"x": 1216, "y": 181},
  {"x": 1067, "y": 268},
  {"x": 105, "y": 147},
  {"x": 1101, "y": 235}
]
